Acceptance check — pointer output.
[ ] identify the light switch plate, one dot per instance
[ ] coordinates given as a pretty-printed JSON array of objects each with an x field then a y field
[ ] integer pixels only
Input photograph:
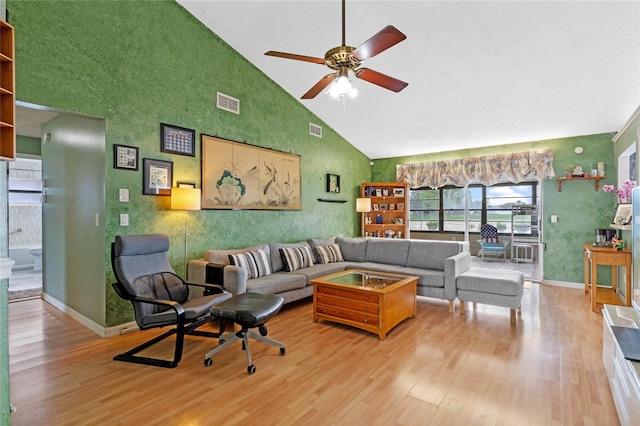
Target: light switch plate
[
  {"x": 554, "y": 218},
  {"x": 124, "y": 219},
  {"x": 124, "y": 195}
]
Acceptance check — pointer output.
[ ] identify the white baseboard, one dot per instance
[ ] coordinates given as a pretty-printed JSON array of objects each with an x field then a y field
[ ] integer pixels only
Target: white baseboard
[
  {"x": 90, "y": 324},
  {"x": 566, "y": 284}
]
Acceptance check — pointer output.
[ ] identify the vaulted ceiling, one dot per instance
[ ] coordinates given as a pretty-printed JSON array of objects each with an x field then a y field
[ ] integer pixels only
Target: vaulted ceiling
[{"x": 480, "y": 73}]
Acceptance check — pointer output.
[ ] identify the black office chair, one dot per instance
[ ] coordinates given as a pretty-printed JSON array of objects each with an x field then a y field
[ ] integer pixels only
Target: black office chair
[
  {"x": 159, "y": 297},
  {"x": 248, "y": 310}
]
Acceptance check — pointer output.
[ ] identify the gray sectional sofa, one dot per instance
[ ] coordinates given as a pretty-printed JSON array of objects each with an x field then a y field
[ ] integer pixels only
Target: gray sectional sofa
[{"x": 436, "y": 263}]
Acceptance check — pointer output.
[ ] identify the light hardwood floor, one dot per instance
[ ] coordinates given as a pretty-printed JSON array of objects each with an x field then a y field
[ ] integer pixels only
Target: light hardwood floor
[{"x": 435, "y": 368}]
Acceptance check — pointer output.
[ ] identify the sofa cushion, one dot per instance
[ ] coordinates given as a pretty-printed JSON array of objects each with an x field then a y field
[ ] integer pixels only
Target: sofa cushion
[
  {"x": 390, "y": 251},
  {"x": 328, "y": 254},
  {"x": 276, "y": 258},
  {"x": 431, "y": 254},
  {"x": 317, "y": 242},
  {"x": 221, "y": 257},
  {"x": 296, "y": 257},
  {"x": 276, "y": 283},
  {"x": 353, "y": 249},
  {"x": 492, "y": 281},
  {"x": 256, "y": 262},
  {"x": 320, "y": 270}
]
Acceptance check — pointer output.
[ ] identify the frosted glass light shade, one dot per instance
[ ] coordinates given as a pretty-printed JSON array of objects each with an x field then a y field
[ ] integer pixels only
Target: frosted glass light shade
[
  {"x": 363, "y": 205},
  {"x": 185, "y": 199}
]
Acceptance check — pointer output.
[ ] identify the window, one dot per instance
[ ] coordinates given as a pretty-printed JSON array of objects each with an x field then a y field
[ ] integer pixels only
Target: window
[
  {"x": 24, "y": 183},
  {"x": 443, "y": 210}
]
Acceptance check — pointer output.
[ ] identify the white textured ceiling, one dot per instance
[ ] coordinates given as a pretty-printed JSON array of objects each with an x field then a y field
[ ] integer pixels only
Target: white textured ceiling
[{"x": 480, "y": 73}]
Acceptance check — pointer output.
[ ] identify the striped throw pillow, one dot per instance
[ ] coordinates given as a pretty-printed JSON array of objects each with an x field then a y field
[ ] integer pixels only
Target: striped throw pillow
[
  {"x": 328, "y": 254},
  {"x": 296, "y": 258},
  {"x": 255, "y": 262}
]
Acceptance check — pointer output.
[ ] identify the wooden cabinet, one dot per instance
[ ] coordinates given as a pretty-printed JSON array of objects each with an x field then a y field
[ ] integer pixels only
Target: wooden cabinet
[
  {"x": 389, "y": 216},
  {"x": 7, "y": 93},
  {"x": 623, "y": 374}
]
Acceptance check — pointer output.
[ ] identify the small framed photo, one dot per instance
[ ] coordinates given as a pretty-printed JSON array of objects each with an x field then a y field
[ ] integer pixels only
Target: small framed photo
[
  {"x": 125, "y": 157},
  {"x": 398, "y": 192},
  {"x": 378, "y": 192},
  {"x": 392, "y": 206},
  {"x": 375, "y": 207},
  {"x": 177, "y": 140},
  {"x": 400, "y": 206},
  {"x": 333, "y": 183},
  {"x": 623, "y": 214},
  {"x": 157, "y": 177},
  {"x": 383, "y": 207},
  {"x": 385, "y": 192}
]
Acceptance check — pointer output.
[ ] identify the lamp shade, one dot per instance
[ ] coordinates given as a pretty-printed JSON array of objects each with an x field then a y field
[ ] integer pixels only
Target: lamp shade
[
  {"x": 185, "y": 199},
  {"x": 363, "y": 205}
]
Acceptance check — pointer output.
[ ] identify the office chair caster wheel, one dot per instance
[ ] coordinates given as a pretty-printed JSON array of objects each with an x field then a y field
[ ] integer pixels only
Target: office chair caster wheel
[
  {"x": 208, "y": 362},
  {"x": 283, "y": 351},
  {"x": 221, "y": 341},
  {"x": 263, "y": 330},
  {"x": 251, "y": 369}
]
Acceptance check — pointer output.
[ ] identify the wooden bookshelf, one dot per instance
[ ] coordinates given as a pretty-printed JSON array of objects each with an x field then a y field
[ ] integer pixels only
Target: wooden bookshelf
[
  {"x": 389, "y": 216},
  {"x": 7, "y": 93}
]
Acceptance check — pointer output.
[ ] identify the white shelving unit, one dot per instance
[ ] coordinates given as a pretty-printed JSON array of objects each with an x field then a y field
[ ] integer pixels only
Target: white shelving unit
[{"x": 525, "y": 219}]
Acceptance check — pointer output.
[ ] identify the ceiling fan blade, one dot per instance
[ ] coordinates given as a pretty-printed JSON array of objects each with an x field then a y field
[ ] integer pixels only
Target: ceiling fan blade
[
  {"x": 295, "y": 57},
  {"x": 319, "y": 86},
  {"x": 380, "y": 79},
  {"x": 384, "y": 39}
]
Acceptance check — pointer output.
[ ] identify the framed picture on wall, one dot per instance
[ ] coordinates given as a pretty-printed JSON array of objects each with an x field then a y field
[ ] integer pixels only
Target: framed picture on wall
[
  {"x": 125, "y": 157},
  {"x": 333, "y": 183},
  {"x": 177, "y": 140},
  {"x": 157, "y": 177}
]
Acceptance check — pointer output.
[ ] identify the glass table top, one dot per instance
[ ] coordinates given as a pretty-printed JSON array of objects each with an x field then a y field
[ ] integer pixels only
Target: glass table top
[{"x": 366, "y": 279}]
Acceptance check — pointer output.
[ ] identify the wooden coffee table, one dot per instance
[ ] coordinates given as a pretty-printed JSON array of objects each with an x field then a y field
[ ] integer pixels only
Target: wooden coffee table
[{"x": 372, "y": 301}]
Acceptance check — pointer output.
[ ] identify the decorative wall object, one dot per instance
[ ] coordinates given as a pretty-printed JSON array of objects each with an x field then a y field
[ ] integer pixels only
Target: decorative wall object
[
  {"x": 241, "y": 176},
  {"x": 333, "y": 183},
  {"x": 177, "y": 140},
  {"x": 623, "y": 214},
  {"x": 125, "y": 157},
  {"x": 157, "y": 177}
]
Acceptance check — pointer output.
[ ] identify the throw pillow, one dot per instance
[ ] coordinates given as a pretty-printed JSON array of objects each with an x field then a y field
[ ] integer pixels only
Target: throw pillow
[
  {"x": 296, "y": 257},
  {"x": 255, "y": 262},
  {"x": 328, "y": 254}
]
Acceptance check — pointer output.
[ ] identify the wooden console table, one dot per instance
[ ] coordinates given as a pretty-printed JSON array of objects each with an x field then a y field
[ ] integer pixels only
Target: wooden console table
[{"x": 606, "y": 256}]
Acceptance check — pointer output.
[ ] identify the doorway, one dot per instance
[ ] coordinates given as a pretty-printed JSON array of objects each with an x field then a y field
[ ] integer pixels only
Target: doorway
[
  {"x": 71, "y": 148},
  {"x": 25, "y": 226}
]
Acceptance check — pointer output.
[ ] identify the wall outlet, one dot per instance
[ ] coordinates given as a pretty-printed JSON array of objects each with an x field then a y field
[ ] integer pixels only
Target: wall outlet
[
  {"x": 554, "y": 218},
  {"x": 124, "y": 219}
]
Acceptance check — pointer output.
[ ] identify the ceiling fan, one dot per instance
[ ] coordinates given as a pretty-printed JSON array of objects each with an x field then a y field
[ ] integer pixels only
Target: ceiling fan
[{"x": 344, "y": 58}]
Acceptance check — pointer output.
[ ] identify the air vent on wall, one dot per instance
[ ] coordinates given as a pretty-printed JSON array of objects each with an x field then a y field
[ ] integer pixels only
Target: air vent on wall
[
  {"x": 228, "y": 103},
  {"x": 315, "y": 130}
]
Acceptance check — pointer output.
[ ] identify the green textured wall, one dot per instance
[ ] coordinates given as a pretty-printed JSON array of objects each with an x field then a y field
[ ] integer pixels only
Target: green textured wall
[
  {"x": 579, "y": 208},
  {"x": 137, "y": 64},
  {"x": 28, "y": 145}
]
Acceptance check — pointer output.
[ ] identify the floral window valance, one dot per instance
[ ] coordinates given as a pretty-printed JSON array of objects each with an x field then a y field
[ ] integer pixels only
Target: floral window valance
[{"x": 487, "y": 170}]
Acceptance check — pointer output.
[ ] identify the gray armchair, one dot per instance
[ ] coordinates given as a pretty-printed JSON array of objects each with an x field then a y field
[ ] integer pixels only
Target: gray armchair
[{"x": 159, "y": 297}]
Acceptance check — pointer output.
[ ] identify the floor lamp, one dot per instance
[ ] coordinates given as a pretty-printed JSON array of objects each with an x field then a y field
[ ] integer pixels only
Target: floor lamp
[
  {"x": 363, "y": 205},
  {"x": 185, "y": 199}
]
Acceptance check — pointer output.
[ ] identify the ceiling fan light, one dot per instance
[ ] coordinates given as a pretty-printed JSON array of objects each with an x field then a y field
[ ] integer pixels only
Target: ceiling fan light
[{"x": 341, "y": 85}]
